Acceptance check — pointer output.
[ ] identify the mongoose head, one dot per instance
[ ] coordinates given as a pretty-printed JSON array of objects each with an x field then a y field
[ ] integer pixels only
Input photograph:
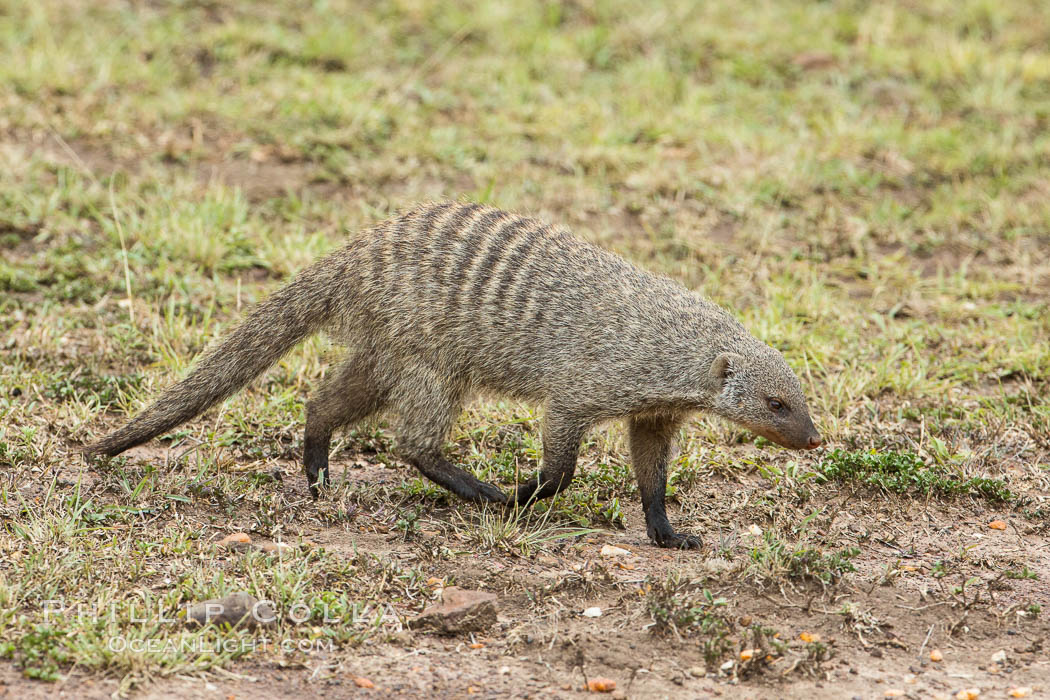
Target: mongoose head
[{"x": 760, "y": 392}]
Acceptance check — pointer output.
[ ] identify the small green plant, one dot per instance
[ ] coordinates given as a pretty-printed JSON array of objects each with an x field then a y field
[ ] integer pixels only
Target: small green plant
[
  {"x": 39, "y": 653},
  {"x": 75, "y": 383},
  {"x": 791, "y": 474},
  {"x": 13, "y": 455},
  {"x": 773, "y": 559},
  {"x": 13, "y": 279},
  {"x": 684, "y": 610},
  {"x": 764, "y": 644},
  {"x": 408, "y": 521},
  {"x": 905, "y": 472}
]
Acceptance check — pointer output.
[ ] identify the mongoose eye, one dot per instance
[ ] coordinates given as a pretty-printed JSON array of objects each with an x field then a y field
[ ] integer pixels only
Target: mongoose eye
[{"x": 776, "y": 405}]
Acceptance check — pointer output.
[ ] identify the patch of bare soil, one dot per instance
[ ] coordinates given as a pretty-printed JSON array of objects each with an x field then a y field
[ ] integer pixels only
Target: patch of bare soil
[{"x": 261, "y": 174}]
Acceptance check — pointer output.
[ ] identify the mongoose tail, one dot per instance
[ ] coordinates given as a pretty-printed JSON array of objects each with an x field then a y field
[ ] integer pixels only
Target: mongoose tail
[{"x": 272, "y": 329}]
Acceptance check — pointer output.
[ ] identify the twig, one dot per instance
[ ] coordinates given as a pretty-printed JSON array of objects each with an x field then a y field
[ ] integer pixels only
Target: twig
[
  {"x": 924, "y": 643},
  {"x": 808, "y": 607},
  {"x": 77, "y": 160},
  {"x": 394, "y": 97},
  {"x": 123, "y": 250},
  {"x": 924, "y": 607},
  {"x": 955, "y": 625}
]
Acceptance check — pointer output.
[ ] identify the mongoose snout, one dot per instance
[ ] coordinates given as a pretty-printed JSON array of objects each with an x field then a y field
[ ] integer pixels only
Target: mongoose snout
[{"x": 449, "y": 300}]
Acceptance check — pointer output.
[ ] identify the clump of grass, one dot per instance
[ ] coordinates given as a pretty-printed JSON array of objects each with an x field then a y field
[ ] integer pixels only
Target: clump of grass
[
  {"x": 40, "y": 653},
  {"x": 585, "y": 508},
  {"x": 682, "y": 609},
  {"x": 78, "y": 384},
  {"x": 12, "y": 279},
  {"x": 773, "y": 559},
  {"x": 518, "y": 531},
  {"x": 906, "y": 472},
  {"x": 45, "y": 628}
]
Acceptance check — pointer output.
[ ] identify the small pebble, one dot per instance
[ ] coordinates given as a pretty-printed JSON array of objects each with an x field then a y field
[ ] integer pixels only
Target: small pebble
[{"x": 608, "y": 551}]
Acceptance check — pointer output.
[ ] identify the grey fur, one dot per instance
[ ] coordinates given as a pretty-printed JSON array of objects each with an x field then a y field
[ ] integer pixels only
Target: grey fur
[{"x": 449, "y": 300}]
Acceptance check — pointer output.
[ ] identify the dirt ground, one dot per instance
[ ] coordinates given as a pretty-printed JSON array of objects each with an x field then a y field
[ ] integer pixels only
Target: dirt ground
[{"x": 878, "y": 625}]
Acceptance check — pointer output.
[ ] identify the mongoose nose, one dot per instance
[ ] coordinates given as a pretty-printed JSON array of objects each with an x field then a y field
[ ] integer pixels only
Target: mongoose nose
[{"x": 814, "y": 442}]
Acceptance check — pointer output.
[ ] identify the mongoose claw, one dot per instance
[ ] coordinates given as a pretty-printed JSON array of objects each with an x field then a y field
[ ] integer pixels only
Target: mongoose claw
[{"x": 487, "y": 493}]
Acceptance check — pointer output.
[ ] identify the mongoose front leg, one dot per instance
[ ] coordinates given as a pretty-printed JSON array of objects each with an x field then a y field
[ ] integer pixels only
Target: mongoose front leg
[
  {"x": 651, "y": 438},
  {"x": 348, "y": 395},
  {"x": 562, "y": 433}
]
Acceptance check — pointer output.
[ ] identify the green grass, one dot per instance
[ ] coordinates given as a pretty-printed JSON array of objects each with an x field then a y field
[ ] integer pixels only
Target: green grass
[
  {"x": 863, "y": 185},
  {"x": 906, "y": 472},
  {"x": 771, "y": 560},
  {"x": 91, "y": 586},
  {"x": 678, "y": 608}
]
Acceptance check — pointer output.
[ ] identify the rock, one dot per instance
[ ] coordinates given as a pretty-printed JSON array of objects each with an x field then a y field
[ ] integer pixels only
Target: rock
[
  {"x": 717, "y": 565},
  {"x": 592, "y": 612},
  {"x": 276, "y": 548},
  {"x": 601, "y": 685},
  {"x": 459, "y": 611},
  {"x": 999, "y": 657},
  {"x": 237, "y": 542},
  {"x": 237, "y": 608},
  {"x": 609, "y": 552},
  {"x": 813, "y": 60},
  {"x": 697, "y": 671}
]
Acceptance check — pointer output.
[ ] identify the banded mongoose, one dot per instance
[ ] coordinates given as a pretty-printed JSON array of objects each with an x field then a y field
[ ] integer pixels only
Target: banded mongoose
[{"x": 449, "y": 300}]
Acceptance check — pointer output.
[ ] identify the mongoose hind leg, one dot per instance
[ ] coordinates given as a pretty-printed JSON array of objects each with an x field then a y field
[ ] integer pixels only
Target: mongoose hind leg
[
  {"x": 348, "y": 395},
  {"x": 562, "y": 433},
  {"x": 651, "y": 439},
  {"x": 428, "y": 407}
]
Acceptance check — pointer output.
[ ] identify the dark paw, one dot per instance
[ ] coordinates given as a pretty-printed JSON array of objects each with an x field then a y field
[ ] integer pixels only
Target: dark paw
[
  {"x": 480, "y": 492},
  {"x": 524, "y": 495},
  {"x": 490, "y": 493},
  {"x": 317, "y": 480},
  {"x": 673, "y": 540}
]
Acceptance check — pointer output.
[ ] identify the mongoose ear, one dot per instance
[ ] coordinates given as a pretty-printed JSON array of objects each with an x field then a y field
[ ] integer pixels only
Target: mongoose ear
[{"x": 724, "y": 366}]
